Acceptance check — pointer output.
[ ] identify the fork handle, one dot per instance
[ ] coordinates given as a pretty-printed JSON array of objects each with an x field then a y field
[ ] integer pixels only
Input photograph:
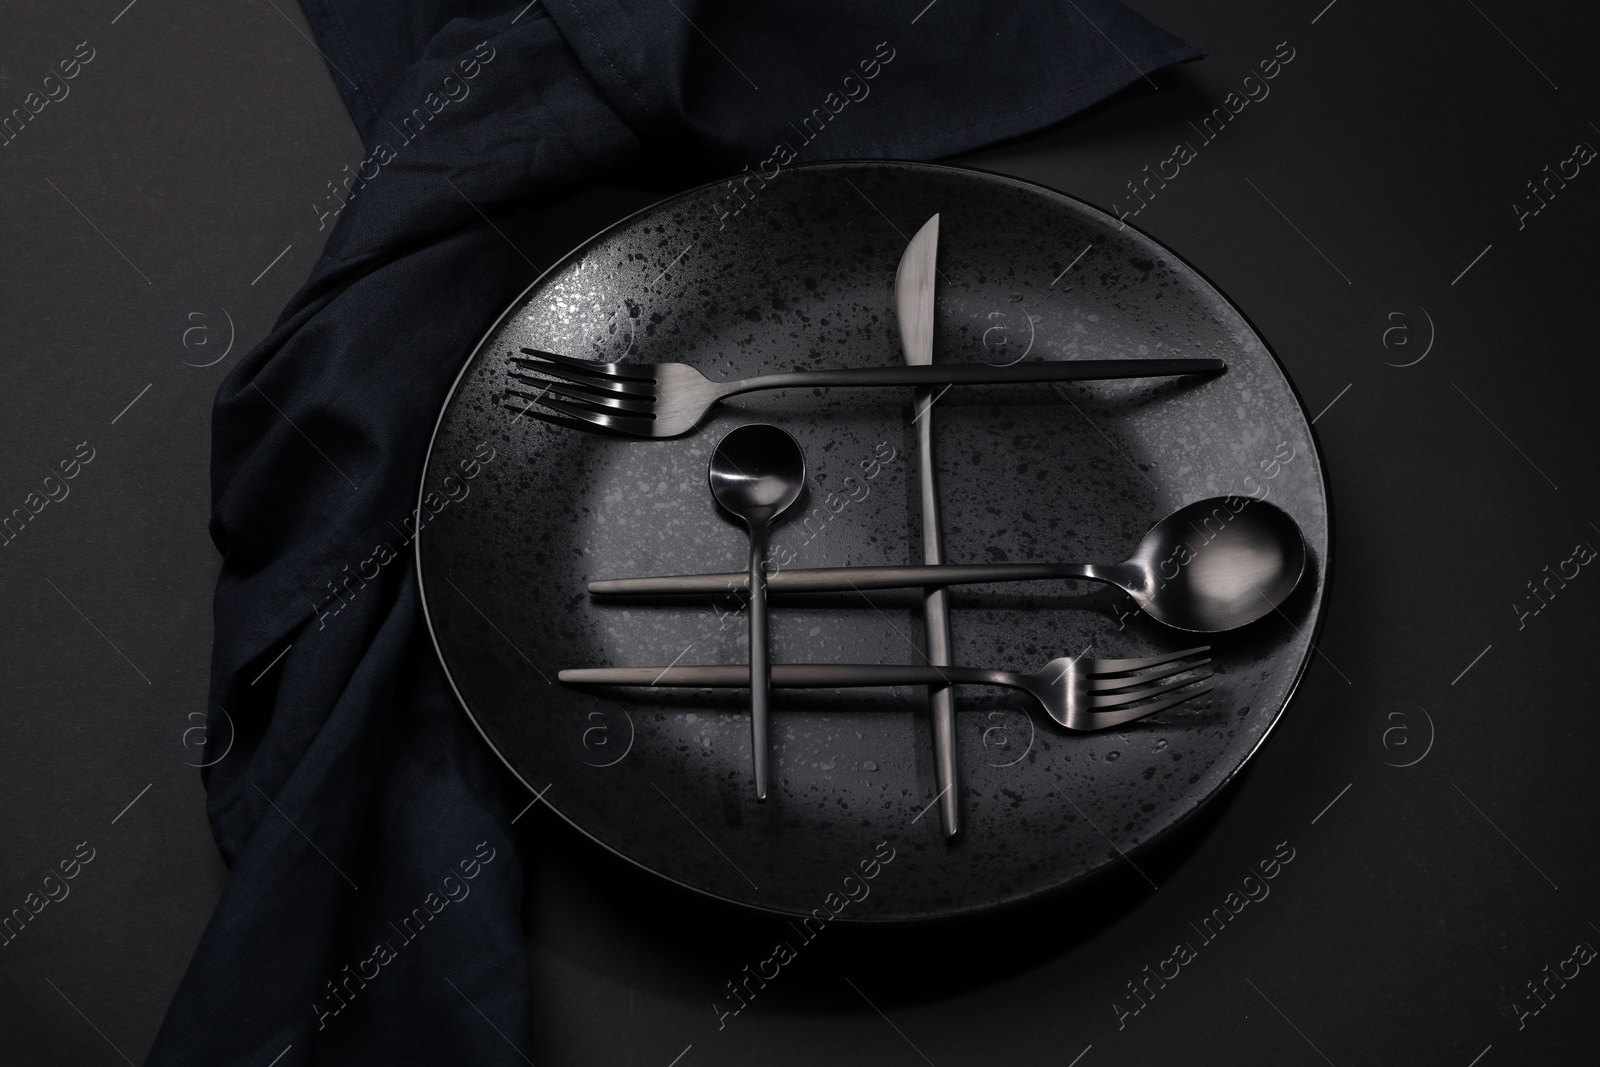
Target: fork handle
[
  {"x": 792, "y": 676},
  {"x": 1054, "y": 370}
]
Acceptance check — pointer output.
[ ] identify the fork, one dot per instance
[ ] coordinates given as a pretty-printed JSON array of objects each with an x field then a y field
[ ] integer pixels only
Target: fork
[
  {"x": 668, "y": 399},
  {"x": 1078, "y": 693}
]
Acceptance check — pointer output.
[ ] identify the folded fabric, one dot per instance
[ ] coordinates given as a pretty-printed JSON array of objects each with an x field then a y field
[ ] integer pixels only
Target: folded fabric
[{"x": 372, "y": 910}]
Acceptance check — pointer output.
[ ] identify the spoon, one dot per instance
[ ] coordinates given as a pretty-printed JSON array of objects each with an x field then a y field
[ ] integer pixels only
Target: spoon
[
  {"x": 756, "y": 472},
  {"x": 1213, "y": 565}
]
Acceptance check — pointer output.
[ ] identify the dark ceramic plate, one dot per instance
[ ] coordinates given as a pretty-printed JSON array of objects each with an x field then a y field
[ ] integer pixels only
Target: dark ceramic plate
[{"x": 802, "y": 276}]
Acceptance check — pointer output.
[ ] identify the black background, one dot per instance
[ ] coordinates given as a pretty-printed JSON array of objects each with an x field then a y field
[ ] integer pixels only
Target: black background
[{"x": 189, "y": 155}]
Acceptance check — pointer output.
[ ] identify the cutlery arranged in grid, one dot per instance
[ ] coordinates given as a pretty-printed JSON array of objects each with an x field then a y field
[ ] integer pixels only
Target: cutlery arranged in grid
[{"x": 1211, "y": 566}]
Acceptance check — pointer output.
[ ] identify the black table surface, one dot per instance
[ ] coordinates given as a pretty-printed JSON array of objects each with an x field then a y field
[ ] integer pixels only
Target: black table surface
[{"x": 1369, "y": 208}]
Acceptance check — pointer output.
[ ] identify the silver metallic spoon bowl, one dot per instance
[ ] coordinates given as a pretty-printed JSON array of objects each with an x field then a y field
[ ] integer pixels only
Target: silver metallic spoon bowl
[{"x": 1214, "y": 565}]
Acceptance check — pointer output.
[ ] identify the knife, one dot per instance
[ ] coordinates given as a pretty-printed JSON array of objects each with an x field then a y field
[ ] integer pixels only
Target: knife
[{"x": 913, "y": 298}]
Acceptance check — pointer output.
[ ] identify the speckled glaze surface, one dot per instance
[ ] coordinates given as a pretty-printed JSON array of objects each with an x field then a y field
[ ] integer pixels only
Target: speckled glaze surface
[{"x": 803, "y": 277}]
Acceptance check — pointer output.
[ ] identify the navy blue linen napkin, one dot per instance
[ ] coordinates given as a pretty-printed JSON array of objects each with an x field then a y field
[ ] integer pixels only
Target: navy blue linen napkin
[{"x": 372, "y": 910}]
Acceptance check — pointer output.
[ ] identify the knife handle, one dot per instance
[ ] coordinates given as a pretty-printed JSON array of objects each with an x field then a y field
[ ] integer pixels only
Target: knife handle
[{"x": 936, "y": 620}]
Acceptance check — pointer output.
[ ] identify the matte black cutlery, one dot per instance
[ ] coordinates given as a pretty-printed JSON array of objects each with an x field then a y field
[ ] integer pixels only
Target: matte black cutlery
[
  {"x": 913, "y": 302},
  {"x": 1213, "y": 565},
  {"x": 1210, "y": 566},
  {"x": 668, "y": 399},
  {"x": 1078, "y": 693},
  {"x": 756, "y": 472}
]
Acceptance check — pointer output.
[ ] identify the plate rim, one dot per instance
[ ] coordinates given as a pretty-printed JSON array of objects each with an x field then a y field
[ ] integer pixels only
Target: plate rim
[{"x": 1100, "y": 871}]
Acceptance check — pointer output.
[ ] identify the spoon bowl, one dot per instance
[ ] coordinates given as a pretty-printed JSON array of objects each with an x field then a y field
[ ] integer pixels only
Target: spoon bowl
[
  {"x": 756, "y": 472},
  {"x": 1215, "y": 565}
]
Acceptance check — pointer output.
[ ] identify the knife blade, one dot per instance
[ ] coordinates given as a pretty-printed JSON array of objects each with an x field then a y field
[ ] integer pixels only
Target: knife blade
[{"x": 914, "y": 284}]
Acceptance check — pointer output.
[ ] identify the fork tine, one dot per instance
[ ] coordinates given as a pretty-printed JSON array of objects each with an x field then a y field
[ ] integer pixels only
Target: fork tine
[
  {"x": 530, "y": 408},
  {"x": 556, "y": 370},
  {"x": 609, "y": 370},
  {"x": 637, "y": 425},
  {"x": 597, "y": 382},
  {"x": 1111, "y": 685},
  {"x": 543, "y": 377},
  {"x": 545, "y": 383},
  {"x": 576, "y": 403},
  {"x": 538, "y": 361},
  {"x": 1103, "y": 719},
  {"x": 1100, "y": 667},
  {"x": 1119, "y": 700},
  {"x": 613, "y": 402}
]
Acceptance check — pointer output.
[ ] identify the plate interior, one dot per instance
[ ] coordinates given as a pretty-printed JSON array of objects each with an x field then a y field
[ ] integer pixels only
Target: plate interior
[{"x": 522, "y": 513}]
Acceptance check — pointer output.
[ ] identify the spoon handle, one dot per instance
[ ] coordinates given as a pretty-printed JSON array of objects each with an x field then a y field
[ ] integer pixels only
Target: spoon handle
[
  {"x": 793, "y": 676},
  {"x": 846, "y": 579},
  {"x": 760, "y": 673}
]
